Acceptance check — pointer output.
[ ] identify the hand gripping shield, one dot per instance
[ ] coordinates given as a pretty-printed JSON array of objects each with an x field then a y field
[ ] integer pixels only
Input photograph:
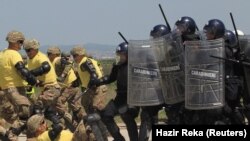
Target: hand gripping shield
[{"x": 246, "y": 68}]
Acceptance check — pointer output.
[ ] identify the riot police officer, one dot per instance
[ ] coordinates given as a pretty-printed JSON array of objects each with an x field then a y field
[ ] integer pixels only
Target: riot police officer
[
  {"x": 215, "y": 29},
  {"x": 149, "y": 114},
  {"x": 119, "y": 104},
  {"x": 186, "y": 28},
  {"x": 233, "y": 83}
]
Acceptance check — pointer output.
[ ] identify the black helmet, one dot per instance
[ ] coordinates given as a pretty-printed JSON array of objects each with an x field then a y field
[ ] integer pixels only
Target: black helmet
[
  {"x": 188, "y": 24},
  {"x": 122, "y": 48},
  {"x": 215, "y": 27},
  {"x": 230, "y": 39},
  {"x": 159, "y": 30}
]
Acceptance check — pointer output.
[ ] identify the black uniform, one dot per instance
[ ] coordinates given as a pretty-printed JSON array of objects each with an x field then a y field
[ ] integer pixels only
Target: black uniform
[{"x": 119, "y": 105}]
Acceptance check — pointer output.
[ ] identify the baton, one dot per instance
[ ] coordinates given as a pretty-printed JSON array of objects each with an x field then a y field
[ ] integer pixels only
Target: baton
[
  {"x": 123, "y": 37},
  {"x": 231, "y": 60},
  {"x": 163, "y": 14}
]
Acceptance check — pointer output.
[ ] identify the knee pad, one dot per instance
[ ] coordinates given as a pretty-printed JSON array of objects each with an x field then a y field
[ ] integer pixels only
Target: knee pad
[{"x": 93, "y": 118}]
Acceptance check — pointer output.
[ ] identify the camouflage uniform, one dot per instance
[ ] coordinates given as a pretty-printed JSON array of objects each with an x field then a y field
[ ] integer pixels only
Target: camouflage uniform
[
  {"x": 95, "y": 97},
  {"x": 14, "y": 104},
  {"x": 41, "y": 67},
  {"x": 70, "y": 91},
  {"x": 37, "y": 127}
]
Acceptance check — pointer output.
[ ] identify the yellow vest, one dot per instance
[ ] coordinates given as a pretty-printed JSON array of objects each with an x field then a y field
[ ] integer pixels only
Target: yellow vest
[
  {"x": 65, "y": 135},
  {"x": 47, "y": 78},
  {"x": 8, "y": 73},
  {"x": 71, "y": 76},
  {"x": 84, "y": 75}
]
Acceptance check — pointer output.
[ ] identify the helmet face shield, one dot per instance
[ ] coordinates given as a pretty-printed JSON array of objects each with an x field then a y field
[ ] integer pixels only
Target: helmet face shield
[
  {"x": 120, "y": 58},
  {"x": 186, "y": 25},
  {"x": 215, "y": 27}
]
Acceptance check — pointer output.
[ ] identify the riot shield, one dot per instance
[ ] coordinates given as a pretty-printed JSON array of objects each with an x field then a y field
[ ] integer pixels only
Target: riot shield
[
  {"x": 204, "y": 75},
  {"x": 144, "y": 83},
  {"x": 246, "y": 68},
  {"x": 244, "y": 43},
  {"x": 172, "y": 69}
]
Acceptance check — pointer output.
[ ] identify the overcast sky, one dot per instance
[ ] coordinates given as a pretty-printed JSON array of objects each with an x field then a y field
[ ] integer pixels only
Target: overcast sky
[{"x": 66, "y": 22}]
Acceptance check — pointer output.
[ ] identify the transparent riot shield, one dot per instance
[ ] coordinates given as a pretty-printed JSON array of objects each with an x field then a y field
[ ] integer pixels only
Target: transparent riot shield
[
  {"x": 246, "y": 50},
  {"x": 244, "y": 43},
  {"x": 144, "y": 81},
  {"x": 172, "y": 69},
  {"x": 204, "y": 75}
]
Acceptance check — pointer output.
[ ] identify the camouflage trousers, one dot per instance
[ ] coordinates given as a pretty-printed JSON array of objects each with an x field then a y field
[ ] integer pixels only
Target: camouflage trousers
[
  {"x": 95, "y": 98},
  {"x": 49, "y": 96},
  {"x": 14, "y": 108},
  {"x": 82, "y": 134},
  {"x": 69, "y": 96},
  {"x": 14, "y": 104}
]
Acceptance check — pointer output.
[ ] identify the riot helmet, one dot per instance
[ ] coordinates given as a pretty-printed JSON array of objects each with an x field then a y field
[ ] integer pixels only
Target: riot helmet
[
  {"x": 159, "y": 30},
  {"x": 121, "y": 53},
  {"x": 214, "y": 29},
  {"x": 186, "y": 25},
  {"x": 230, "y": 39},
  {"x": 122, "y": 48}
]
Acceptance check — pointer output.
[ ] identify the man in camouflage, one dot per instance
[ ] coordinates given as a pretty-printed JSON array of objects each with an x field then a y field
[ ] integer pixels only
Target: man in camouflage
[
  {"x": 14, "y": 104},
  {"x": 94, "y": 97},
  {"x": 42, "y": 69},
  {"x": 69, "y": 83},
  {"x": 88, "y": 71},
  {"x": 37, "y": 126}
]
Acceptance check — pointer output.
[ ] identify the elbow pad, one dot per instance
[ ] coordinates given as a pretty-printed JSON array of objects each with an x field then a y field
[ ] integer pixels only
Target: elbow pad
[
  {"x": 56, "y": 130},
  {"x": 25, "y": 73},
  {"x": 104, "y": 80},
  {"x": 44, "y": 68},
  {"x": 76, "y": 83},
  {"x": 88, "y": 66}
]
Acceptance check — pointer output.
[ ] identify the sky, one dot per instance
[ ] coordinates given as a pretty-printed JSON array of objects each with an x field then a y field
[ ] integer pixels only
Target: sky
[{"x": 67, "y": 22}]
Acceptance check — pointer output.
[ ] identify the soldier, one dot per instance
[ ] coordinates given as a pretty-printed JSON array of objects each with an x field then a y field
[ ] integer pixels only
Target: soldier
[
  {"x": 93, "y": 98},
  {"x": 69, "y": 83},
  {"x": 119, "y": 104},
  {"x": 14, "y": 103},
  {"x": 149, "y": 114},
  {"x": 37, "y": 127},
  {"x": 40, "y": 66}
]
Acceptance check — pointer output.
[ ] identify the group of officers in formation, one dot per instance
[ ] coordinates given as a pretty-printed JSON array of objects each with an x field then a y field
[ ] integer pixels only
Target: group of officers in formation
[{"x": 72, "y": 90}]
